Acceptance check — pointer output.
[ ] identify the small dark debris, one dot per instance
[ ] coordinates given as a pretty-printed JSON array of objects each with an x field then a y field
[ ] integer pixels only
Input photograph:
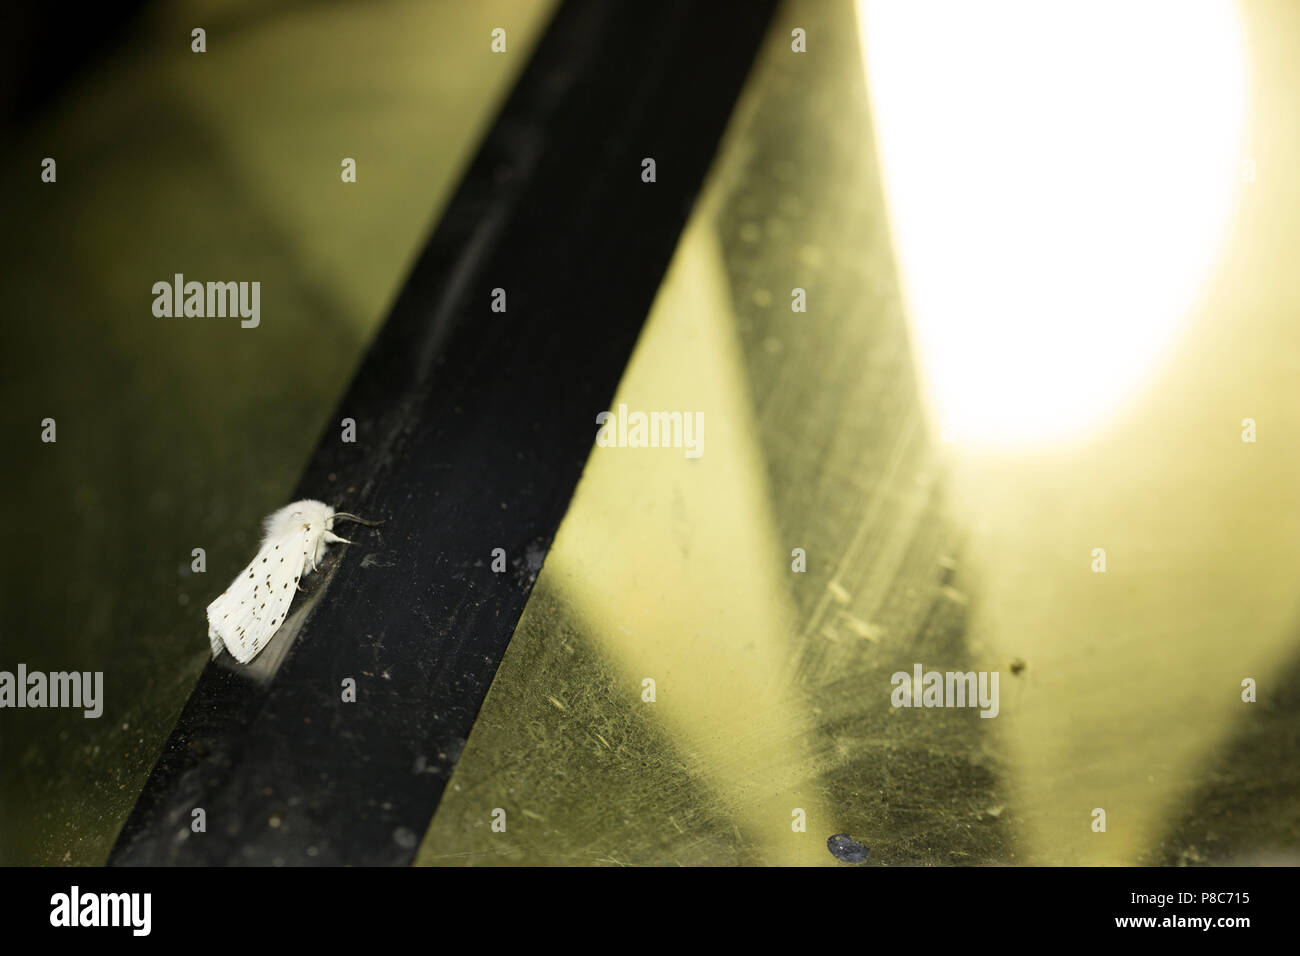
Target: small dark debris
[
  {"x": 1018, "y": 666},
  {"x": 844, "y": 848}
]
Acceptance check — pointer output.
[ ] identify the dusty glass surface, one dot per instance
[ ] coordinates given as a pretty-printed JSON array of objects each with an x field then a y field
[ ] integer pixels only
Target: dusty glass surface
[
  {"x": 1120, "y": 689},
  {"x": 176, "y": 434}
]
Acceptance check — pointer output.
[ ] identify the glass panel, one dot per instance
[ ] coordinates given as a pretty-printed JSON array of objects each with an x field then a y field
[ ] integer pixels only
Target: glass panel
[{"x": 1120, "y": 575}]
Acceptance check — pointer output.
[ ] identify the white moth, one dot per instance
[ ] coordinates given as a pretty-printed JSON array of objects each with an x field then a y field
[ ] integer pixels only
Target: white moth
[{"x": 251, "y": 610}]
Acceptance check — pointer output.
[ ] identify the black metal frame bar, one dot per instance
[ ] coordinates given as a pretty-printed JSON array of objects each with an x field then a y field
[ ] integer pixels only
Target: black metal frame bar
[{"x": 473, "y": 429}]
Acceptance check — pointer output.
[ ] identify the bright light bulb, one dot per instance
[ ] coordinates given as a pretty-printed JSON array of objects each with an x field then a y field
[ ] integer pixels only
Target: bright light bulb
[{"x": 1059, "y": 178}]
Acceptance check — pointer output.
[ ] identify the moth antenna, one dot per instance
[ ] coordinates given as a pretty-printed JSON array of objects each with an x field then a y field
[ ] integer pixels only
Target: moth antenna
[{"x": 344, "y": 514}]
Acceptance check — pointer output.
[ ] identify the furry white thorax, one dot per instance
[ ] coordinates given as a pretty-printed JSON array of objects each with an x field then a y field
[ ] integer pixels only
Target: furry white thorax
[{"x": 301, "y": 513}]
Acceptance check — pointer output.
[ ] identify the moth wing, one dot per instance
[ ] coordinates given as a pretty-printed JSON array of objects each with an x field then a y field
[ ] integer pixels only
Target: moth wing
[{"x": 253, "y": 608}]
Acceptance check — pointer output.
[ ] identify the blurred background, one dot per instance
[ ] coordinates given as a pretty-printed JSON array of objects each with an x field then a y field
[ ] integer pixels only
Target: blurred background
[{"x": 1045, "y": 256}]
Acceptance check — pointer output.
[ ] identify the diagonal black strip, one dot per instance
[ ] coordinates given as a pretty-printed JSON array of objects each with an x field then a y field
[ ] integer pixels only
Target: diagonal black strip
[{"x": 473, "y": 429}]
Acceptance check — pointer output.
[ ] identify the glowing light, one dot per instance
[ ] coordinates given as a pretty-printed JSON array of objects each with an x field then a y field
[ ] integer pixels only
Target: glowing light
[{"x": 1059, "y": 177}]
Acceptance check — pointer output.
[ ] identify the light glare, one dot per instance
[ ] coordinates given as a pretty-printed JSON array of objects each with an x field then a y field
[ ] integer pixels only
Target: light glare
[{"x": 1059, "y": 177}]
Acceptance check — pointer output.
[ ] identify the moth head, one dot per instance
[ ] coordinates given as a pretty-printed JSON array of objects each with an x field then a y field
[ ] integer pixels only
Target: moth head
[{"x": 294, "y": 517}]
